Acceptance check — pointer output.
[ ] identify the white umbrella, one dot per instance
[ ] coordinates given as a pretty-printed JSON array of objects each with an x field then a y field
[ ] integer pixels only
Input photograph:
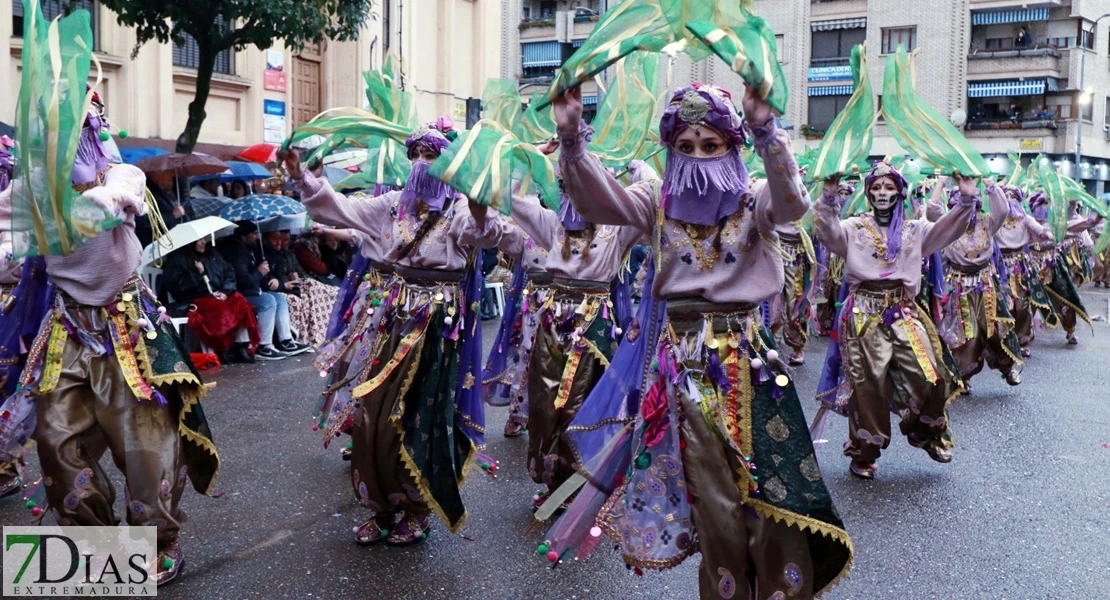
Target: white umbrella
[{"x": 185, "y": 234}]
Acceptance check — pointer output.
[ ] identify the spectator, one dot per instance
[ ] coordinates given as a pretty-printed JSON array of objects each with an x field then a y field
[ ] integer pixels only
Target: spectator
[
  {"x": 334, "y": 255},
  {"x": 218, "y": 314},
  {"x": 307, "y": 250},
  {"x": 239, "y": 189},
  {"x": 310, "y": 302},
  {"x": 204, "y": 200},
  {"x": 1023, "y": 39},
  {"x": 172, "y": 213},
  {"x": 271, "y": 308}
]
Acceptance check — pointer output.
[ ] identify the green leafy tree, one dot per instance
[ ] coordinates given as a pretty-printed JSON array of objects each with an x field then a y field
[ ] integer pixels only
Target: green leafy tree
[{"x": 219, "y": 25}]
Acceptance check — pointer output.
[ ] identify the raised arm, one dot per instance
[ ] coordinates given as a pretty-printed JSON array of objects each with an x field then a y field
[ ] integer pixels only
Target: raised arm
[
  {"x": 1083, "y": 223},
  {"x": 538, "y": 223},
  {"x": 478, "y": 231},
  {"x": 999, "y": 207},
  {"x": 329, "y": 207},
  {"x": 830, "y": 231},
  {"x": 1037, "y": 232},
  {"x": 782, "y": 198},
  {"x": 934, "y": 208},
  {"x": 952, "y": 225}
]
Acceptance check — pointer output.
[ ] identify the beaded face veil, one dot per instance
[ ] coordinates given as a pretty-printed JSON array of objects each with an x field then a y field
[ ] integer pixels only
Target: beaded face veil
[
  {"x": 420, "y": 185},
  {"x": 702, "y": 191}
]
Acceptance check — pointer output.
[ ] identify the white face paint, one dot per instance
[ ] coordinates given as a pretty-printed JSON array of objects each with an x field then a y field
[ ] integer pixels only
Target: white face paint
[{"x": 883, "y": 194}]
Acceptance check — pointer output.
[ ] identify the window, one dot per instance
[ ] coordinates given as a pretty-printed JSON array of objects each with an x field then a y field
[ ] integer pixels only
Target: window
[
  {"x": 823, "y": 110},
  {"x": 57, "y": 8},
  {"x": 1086, "y": 36},
  {"x": 547, "y": 9},
  {"x": 895, "y": 36},
  {"x": 187, "y": 54},
  {"x": 879, "y": 109},
  {"x": 1060, "y": 107},
  {"x": 780, "y": 43},
  {"x": 1087, "y": 110},
  {"x": 1106, "y": 115},
  {"x": 831, "y": 47}
]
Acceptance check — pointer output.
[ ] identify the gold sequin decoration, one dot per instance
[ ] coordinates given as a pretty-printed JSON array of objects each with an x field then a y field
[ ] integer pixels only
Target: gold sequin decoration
[{"x": 777, "y": 429}]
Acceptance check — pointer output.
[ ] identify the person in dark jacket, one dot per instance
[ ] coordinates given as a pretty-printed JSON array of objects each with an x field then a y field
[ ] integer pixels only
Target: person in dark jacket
[
  {"x": 220, "y": 316},
  {"x": 270, "y": 308}
]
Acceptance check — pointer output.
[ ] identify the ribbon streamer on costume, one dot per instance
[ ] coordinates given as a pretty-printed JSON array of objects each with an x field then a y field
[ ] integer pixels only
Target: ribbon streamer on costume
[
  {"x": 848, "y": 139},
  {"x": 385, "y": 97},
  {"x": 352, "y": 122},
  {"x": 621, "y": 126},
  {"x": 483, "y": 162},
  {"x": 52, "y": 108},
  {"x": 921, "y": 129},
  {"x": 661, "y": 26}
]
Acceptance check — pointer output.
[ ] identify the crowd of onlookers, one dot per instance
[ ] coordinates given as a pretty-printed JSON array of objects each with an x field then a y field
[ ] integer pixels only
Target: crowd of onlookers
[{"x": 255, "y": 295}]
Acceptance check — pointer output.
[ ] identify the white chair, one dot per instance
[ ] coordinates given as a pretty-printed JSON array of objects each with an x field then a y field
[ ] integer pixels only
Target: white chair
[
  {"x": 498, "y": 297},
  {"x": 152, "y": 276}
]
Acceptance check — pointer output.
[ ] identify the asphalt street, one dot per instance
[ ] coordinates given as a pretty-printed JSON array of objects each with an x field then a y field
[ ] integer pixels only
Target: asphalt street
[{"x": 1023, "y": 511}]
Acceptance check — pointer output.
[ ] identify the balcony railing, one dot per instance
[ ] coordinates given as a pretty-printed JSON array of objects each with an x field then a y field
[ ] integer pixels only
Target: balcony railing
[
  {"x": 1009, "y": 123},
  {"x": 1009, "y": 50}
]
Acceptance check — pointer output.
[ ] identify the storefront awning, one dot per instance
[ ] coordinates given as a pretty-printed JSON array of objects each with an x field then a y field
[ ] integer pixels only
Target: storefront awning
[
  {"x": 831, "y": 90},
  {"x": 541, "y": 54},
  {"x": 1016, "y": 15},
  {"x": 1013, "y": 87},
  {"x": 589, "y": 100},
  {"x": 856, "y": 23}
]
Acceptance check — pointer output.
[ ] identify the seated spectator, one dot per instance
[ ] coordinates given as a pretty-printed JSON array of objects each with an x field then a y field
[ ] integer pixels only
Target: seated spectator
[
  {"x": 204, "y": 199},
  {"x": 310, "y": 302},
  {"x": 270, "y": 307},
  {"x": 307, "y": 251},
  {"x": 336, "y": 253},
  {"x": 220, "y": 316},
  {"x": 238, "y": 190}
]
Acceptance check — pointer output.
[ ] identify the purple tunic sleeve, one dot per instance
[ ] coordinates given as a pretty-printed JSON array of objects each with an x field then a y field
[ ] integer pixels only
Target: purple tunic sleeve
[
  {"x": 466, "y": 231},
  {"x": 595, "y": 194},
  {"x": 370, "y": 216},
  {"x": 999, "y": 208},
  {"x": 783, "y": 198},
  {"x": 540, "y": 224},
  {"x": 830, "y": 230},
  {"x": 947, "y": 229}
]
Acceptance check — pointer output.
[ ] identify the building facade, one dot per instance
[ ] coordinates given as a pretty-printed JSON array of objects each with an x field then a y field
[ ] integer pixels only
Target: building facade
[
  {"x": 448, "y": 48},
  {"x": 1016, "y": 75}
]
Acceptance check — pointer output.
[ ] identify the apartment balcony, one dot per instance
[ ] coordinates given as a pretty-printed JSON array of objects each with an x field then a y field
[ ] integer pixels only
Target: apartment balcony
[
  {"x": 830, "y": 9},
  {"x": 537, "y": 30},
  {"x": 1010, "y": 63},
  {"x": 1016, "y": 4}
]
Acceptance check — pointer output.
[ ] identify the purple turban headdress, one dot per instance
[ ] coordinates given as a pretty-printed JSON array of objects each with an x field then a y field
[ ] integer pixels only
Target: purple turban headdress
[
  {"x": 702, "y": 191},
  {"x": 1039, "y": 203},
  {"x": 91, "y": 158},
  {"x": 420, "y": 185},
  {"x": 894, "y": 232}
]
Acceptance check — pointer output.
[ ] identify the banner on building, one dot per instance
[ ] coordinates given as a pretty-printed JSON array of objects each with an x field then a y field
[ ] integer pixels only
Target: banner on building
[{"x": 274, "y": 78}]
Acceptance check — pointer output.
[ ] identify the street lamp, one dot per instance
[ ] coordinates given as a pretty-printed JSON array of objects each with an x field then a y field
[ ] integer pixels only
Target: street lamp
[{"x": 1085, "y": 97}]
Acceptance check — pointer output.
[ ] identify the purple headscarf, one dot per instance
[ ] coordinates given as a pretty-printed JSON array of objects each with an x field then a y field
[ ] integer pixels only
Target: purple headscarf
[
  {"x": 420, "y": 185},
  {"x": 702, "y": 191},
  {"x": 5, "y": 167},
  {"x": 91, "y": 158},
  {"x": 894, "y": 232},
  {"x": 1039, "y": 203},
  {"x": 1016, "y": 209}
]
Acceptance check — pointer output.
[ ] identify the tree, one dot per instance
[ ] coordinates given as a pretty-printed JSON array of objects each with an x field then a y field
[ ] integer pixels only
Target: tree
[{"x": 219, "y": 25}]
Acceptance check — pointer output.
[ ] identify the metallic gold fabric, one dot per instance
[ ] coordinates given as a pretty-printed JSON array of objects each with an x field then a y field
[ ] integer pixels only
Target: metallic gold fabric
[
  {"x": 986, "y": 332},
  {"x": 562, "y": 370},
  {"x": 889, "y": 364},
  {"x": 791, "y": 307},
  {"x": 92, "y": 409}
]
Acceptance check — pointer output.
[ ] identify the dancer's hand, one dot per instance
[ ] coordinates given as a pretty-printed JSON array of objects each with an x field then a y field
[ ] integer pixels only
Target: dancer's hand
[
  {"x": 568, "y": 110},
  {"x": 968, "y": 189},
  {"x": 832, "y": 187},
  {"x": 756, "y": 110},
  {"x": 292, "y": 162},
  {"x": 550, "y": 147}
]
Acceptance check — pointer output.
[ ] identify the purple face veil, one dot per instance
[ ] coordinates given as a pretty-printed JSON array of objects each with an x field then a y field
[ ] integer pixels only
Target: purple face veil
[
  {"x": 894, "y": 232},
  {"x": 702, "y": 191},
  {"x": 1039, "y": 203},
  {"x": 91, "y": 158},
  {"x": 420, "y": 185}
]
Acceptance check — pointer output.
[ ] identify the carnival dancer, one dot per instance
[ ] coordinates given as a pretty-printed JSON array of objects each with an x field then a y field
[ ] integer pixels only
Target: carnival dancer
[
  {"x": 716, "y": 398},
  {"x": 505, "y": 376},
  {"x": 578, "y": 327},
  {"x": 831, "y": 271},
  {"x": 1055, "y": 264},
  {"x": 1019, "y": 231},
  {"x": 791, "y": 311},
  {"x": 351, "y": 331},
  {"x": 975, "y": 321},
  {"x": 108, "y": 372},
  {"x": 417, "y": 424},
  {"x": 889, "y": 357}
]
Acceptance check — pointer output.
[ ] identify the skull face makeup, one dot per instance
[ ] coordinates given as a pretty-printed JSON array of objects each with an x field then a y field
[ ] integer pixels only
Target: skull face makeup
[{"x": 883, "y": 194}]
